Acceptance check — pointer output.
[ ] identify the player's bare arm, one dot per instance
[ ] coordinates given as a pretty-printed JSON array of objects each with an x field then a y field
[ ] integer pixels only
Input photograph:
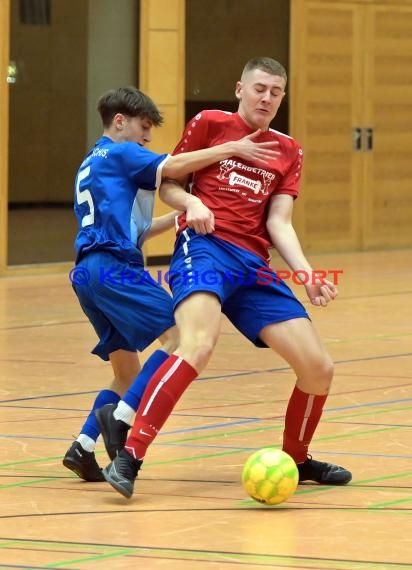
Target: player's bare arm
[
  {"x": 198, "y": 217},
  {"x": 248, "y": 149},
  {"x": 286, "y": 242},
  {"x": 163, "y": 223},
  {"x": 182, "y": 164}
]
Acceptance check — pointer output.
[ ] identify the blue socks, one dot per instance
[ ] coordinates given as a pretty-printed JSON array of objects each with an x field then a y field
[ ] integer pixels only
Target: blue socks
[
  {"x": 91, "y": 427},
  {"x": 135, "y": 392},
  {"x": 132, "y": 397}
]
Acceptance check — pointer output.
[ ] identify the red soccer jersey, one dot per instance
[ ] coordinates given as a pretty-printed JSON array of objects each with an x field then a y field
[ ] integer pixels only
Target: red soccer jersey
[{"x": 238, "y": 191}]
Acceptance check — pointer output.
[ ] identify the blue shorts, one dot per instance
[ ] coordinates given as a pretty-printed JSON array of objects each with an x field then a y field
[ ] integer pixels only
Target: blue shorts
[
  {"x": 126, "y": 306},
  {"x": 251, "y": 295}
]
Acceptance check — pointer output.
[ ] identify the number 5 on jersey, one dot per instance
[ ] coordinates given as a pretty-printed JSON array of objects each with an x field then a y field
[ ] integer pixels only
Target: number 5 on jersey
[{"x": 83, "y": 195}]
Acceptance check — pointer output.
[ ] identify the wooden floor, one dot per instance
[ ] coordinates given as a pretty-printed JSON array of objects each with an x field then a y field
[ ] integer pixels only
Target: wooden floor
[{"x": 189, "y": 510}]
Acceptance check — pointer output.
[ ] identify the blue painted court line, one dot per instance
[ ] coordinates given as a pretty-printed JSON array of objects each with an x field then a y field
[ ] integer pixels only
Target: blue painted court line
[
  {"x": 220, "y": 377},
  {"x": 48, "y": 396},
  {"x": 369, "y": 405},
  {"x": 269, "y": 370},
  {"x": 199, "y": 415},
  {"x": 226, "y": 424},
  {"x": 45, "y": 409},
  {"x": 173, "y": 432},
  {"x": 255, "y": 448}
]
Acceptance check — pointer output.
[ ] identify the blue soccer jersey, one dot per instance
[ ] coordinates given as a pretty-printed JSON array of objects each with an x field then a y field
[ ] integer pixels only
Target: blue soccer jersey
[{"x": 114, "y": 198}]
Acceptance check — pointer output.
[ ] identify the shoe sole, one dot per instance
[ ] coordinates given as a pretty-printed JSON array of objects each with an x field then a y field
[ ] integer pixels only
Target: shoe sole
[
  {"x": 126, "y": 494},
  {"x": 77, "y": 469},
  {"x": 325, "y": 483},
  {"x": 333, "y": 483}
]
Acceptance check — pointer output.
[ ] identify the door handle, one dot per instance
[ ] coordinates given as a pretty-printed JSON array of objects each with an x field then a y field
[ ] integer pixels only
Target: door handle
[
  {"x": 368, "y": 138},
  {"x": 357, "y": 139},
  {"x": 362, "y": 139}
]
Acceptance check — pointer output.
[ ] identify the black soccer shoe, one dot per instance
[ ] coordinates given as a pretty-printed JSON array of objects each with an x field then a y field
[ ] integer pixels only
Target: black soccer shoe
[
  {"x": 122, "y": 472},
  {"x": 323, "y": 473},
  {"x": 83, "y": 463},
  {"x": 114, "y": 432}
]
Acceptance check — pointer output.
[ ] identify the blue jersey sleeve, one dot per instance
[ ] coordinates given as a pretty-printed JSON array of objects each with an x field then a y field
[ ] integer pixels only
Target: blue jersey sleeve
[{"x": 143, "y": 165}]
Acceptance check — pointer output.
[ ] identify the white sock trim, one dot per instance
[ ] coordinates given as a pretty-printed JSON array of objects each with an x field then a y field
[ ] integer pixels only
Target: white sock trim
[
  {"x": 86, "y": 442},
  {"x": 124, "y": 412},
  {"x": 306, "y": 416}
]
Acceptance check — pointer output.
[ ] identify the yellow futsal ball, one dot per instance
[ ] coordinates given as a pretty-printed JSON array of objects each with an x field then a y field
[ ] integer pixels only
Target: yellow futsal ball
[{"x": 270, "y": 476}]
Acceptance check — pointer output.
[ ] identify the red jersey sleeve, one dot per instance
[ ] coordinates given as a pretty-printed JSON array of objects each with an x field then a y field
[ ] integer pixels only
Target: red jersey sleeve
[
  {"x": 290, "y": 183},
  {"x": 195, "y": 135}
]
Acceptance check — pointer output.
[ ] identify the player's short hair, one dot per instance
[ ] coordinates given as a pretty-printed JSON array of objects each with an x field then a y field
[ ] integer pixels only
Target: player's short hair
[
  {"x": 128, "y": 101},
  {"x": 266, "y": 64}
]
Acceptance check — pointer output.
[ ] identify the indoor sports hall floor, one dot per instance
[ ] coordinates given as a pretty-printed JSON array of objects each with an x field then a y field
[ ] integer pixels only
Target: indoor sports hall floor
[{"x": 189, "y": 511}]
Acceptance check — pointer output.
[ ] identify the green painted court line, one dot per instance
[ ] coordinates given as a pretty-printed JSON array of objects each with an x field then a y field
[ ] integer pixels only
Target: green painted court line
[
  {"x": 375, "y": 506},
  {"x": 32, "y": 482},
  {"x": 388, "y": 503},
  {"x": 212, "y": 455},
  {"x": 322, "y": 488},
  {"x": 383, "y": 478},
  {"x": 242, "y": 432},
  {"x": 223, "y": 434},
  {"x": 203, "y": 456},
  {"x": 213, "y": 556},
  {"x": 384, "y": 512},
  {"x": 192, "y": 458},
  {"x": 268, "y": 428},
  {"x": 358, "y": 433},
  {"x": 367, "y": 510},
  {"x": 29, "y": 461},
  {"x": 357, "y": 483},
  {"x": 8, "y": 544},
  {"x": 52, "y": 545},
  {"x": 91, "y": 558},
  {"x": 314, "y": 489},
  {"x": 214, "y": 436},
  {"x": 368, "y": 413}
]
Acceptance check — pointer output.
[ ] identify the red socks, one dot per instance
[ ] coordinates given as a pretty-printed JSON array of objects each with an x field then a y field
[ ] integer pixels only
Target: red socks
[
  {"x": 161, "y": 395},
  {"x": 302, "y": 417},
  {"x": 171, "y": 380}
]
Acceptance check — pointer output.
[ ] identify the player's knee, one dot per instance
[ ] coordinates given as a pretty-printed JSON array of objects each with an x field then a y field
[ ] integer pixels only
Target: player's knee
[
  {"x": 203, "y": 351},
  {"x": 328, "y": 369},
  {"x": 323, "y": 373},
  {"x": 170, "y": 340},
  {"x": 198, "y": 350}
]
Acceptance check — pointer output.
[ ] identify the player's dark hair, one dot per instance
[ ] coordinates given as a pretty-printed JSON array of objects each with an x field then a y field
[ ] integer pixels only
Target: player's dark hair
[
  {"x": 266, "y": 64},
  {"x": 128, "y": 101}
]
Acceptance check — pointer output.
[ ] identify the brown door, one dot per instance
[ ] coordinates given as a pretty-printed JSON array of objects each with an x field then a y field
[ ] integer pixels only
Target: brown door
[
  {"x": 326, "y": 84},
  {"x": 388, "y": 118},
  {"x": 352, "y": 111}
]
